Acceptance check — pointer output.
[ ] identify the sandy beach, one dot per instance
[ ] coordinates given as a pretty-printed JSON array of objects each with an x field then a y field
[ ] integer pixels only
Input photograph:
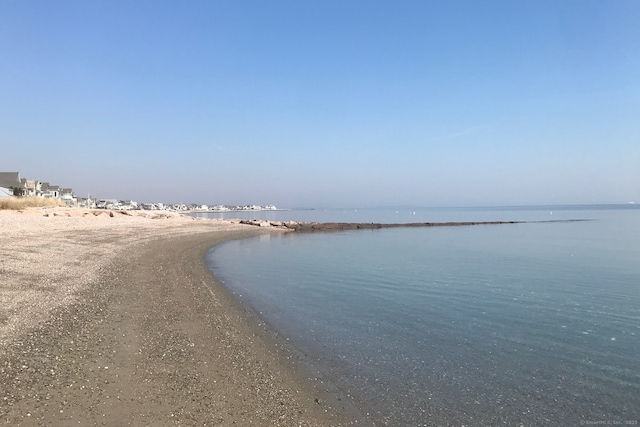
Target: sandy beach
[{"x": 114, "y": 319}]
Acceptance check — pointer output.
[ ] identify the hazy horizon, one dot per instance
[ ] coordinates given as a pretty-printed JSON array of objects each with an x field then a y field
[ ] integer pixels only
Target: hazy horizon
[{"x": 325, "y": 104}]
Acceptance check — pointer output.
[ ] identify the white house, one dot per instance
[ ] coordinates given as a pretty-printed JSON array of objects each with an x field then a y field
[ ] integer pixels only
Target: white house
[
  {"x": 31, "y": 187},
  {"x": 49, "y": 190},
  {"x": 66, "y": 195},
  {"x": 5, "y": 192}
]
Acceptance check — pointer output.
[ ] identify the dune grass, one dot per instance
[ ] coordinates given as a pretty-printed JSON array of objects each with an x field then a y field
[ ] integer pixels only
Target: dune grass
[{"x": 15, "y": 203}]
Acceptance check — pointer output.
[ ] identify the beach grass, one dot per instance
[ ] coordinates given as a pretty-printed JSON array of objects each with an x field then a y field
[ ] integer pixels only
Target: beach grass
[{"x": 16, "y": 203}]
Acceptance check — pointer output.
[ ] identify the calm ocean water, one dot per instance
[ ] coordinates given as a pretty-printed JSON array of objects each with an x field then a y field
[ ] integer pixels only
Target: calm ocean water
[{"x": 533, "y": 324}]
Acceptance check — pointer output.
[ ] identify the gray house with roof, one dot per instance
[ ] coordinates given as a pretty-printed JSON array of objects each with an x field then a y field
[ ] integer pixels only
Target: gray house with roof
[
  {"x": 10, "y": 184},
  {"x": 49, "y": 190}
]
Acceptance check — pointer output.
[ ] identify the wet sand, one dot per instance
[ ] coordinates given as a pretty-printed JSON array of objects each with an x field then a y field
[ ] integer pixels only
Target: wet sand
[{"x": 116, "y": 320}]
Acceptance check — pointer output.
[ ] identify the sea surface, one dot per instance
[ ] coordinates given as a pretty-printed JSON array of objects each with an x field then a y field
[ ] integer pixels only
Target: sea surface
[{"x": 516, "y": 324}]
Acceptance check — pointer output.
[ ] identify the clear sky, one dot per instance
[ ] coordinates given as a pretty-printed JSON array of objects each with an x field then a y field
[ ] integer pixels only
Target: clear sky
[{"x": 328, "y": 103}]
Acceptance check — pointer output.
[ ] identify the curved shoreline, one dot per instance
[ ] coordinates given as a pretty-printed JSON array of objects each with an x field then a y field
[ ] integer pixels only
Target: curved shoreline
[
  {"x": 148, "y": 337},
  {"x": 115, "y": 318}
]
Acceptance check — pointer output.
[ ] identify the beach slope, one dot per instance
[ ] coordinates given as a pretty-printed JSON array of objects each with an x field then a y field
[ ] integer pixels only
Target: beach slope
[{"x": 116, "y": 320}]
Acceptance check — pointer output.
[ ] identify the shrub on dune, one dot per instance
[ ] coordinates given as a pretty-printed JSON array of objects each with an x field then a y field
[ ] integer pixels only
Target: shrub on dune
[{"x": 15, "y": 203}]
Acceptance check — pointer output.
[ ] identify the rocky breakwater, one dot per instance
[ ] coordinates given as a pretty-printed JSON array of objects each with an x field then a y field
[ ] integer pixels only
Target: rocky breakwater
[{"x": 303, "y": 227}]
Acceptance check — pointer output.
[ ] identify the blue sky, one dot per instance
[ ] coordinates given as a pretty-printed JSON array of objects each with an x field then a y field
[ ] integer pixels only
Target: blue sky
[{"x": 325, "y": 103}]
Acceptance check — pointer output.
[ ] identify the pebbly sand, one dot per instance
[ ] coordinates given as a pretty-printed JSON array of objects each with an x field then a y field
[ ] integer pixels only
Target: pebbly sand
[{"x": 115, "y": 319}]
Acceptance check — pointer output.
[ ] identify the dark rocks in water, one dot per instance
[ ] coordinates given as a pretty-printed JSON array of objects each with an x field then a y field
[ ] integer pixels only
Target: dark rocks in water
[
  {"x": 339, "y": 226},
  {"x": 306, "y": 227}
]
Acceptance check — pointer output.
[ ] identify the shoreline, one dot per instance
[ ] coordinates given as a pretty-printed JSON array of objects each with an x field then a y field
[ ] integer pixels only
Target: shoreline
[
  {"x": 114, "y": 317},
  {"x": 127, "y": 325}
]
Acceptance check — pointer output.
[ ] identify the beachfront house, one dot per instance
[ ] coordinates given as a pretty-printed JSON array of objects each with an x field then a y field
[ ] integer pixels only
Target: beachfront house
[
  {"x": 10, "y": 184},
  {"x": 66, "y": 195},
  {"x": 49, "y": 190},
  {"x": 31, "y": 187},
  {"x": 88, "y": 203},
  {"x": 128, "y": 205}
]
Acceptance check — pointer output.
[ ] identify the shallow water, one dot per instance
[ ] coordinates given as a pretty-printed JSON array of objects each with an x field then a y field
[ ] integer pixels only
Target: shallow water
[{"x": 535, "y": 323}]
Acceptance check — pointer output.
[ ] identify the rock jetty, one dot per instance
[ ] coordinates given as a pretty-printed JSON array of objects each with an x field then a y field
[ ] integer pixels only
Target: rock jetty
[{"x": 305, "y": 227}]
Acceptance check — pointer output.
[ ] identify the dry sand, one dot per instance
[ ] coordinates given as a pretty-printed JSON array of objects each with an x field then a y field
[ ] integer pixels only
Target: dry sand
[{"x": 114, "y": 319}]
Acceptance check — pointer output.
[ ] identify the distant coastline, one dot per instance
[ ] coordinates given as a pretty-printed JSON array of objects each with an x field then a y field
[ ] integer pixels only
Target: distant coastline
[{"x": 235, "y": 210}]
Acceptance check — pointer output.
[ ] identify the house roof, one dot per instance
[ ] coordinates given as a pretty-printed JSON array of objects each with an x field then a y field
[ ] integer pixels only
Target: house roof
[
  {"x": 48, "y": 187},
  {"x": 10, "y": 179},
  {"x": 29, "y": 183}
]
